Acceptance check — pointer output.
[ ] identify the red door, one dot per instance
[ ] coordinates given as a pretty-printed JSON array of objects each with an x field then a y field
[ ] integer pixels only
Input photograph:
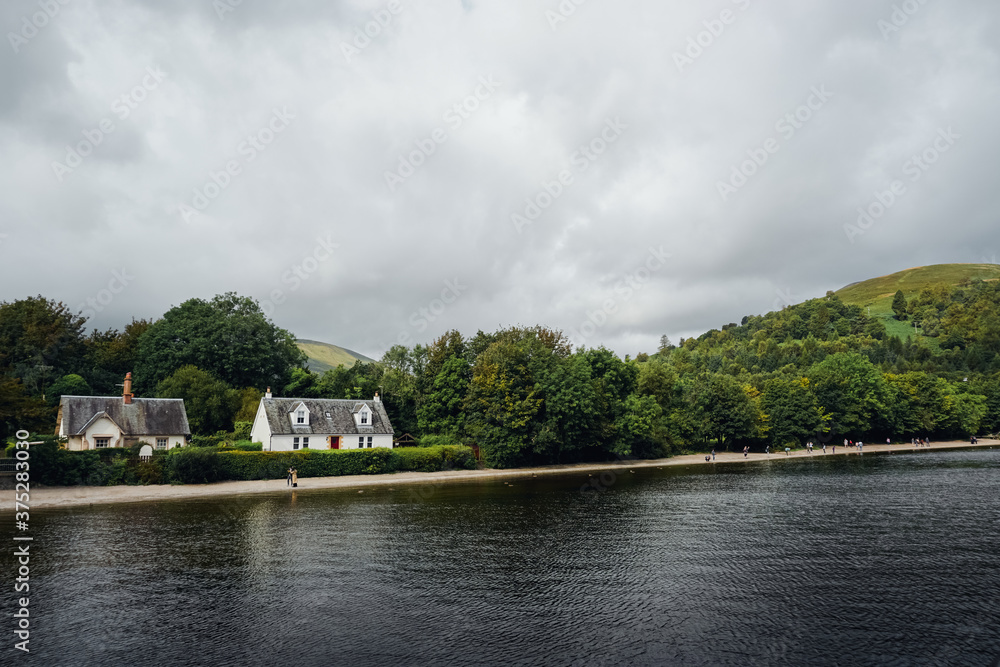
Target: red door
[{"x": 334, "y": 442}]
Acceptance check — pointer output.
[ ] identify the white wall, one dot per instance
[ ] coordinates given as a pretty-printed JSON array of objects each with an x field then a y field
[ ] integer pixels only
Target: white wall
[
  {"x": 102, "y": 427},
  {"x": 261, "y": 430},
  {"x": 283, "y": 443}
]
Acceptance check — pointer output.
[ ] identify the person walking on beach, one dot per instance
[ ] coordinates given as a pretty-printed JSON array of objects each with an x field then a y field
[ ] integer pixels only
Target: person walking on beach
[
  {"x": 824, "y": 447},
  {"x": 860, "y": 445},
  {"x": 295, "y": 477},
  {"x": 767, "y": 450},
  {"x": 288, "y": 480},
  {"x": 746, "y": 450},
  {"x": 713, "y": 453}
]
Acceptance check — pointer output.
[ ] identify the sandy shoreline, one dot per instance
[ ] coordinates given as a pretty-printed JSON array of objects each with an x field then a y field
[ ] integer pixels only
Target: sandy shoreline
[{"x": 52, "y": 497}]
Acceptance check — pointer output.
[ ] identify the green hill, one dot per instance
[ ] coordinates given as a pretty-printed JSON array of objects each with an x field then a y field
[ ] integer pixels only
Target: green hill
[
  {"x": 877, "y": 293},
  {"x": 324, "y": 356}
]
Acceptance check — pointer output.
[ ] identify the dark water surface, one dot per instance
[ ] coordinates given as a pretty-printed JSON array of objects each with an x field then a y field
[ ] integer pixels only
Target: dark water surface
[{"x": 873, "y": 560}]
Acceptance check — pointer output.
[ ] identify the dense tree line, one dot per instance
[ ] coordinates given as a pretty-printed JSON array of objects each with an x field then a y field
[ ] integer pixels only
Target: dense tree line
[
  {"x": 219, "y": 355},
  {"x": 819, "y": 370}
]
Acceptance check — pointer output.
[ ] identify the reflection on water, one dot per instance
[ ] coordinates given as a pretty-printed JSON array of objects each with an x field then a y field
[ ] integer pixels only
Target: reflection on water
[{"x": 859, "y": 560}]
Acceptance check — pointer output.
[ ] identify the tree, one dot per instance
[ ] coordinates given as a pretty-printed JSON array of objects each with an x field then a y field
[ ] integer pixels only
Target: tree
[
  {"x": 229, "y": 337},
  {"x": 211, "y": 404},
  {"x": 568, "y": 419},
  {"x": 726, "y": 410},
  {"x": 899, "y": 305},
  {"x": 40, "y": 340},
  {"x": 853, "y": 391},
  {"x": 69, "y": 385},
  {"x": 502, "y": 403},
  {"x": 18, "y": 410},
  {"x": 441, "y": 410},
  {"x": 111, "y": 354},
  {"x": 792, "y": 410}
]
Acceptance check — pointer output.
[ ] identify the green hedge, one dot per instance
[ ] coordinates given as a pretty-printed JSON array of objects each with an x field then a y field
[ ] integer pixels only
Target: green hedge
[
  {"x": 53, "y": 466},
  {"x": 429, "y": 459},
  {"x": 275, "y": 465}
]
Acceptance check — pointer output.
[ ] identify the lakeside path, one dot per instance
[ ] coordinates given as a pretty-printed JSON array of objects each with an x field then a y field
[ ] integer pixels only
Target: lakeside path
[{"x": 72, "y": 496}]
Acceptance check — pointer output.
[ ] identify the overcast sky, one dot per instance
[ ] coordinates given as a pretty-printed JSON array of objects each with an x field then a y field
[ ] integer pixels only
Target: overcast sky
[{"x": 617, "y": 170}]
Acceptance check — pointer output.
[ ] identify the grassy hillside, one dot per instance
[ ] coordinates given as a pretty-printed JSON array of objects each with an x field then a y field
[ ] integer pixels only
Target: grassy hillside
[
  {"x": 324, "y": 356},
  {"x": 876, "y": 293}
]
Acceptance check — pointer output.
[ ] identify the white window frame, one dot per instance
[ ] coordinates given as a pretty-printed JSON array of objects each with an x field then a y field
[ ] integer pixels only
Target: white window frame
[
  {"x": 305, "y": 442},
  {"x": 364, "y": 417},
  {"x": 369, "y": 442},
  {"x": 361, "y": 441},
  {"x": 295, "y": 442},
  {"x": 99, "y": 438},
  {"x": 162, "y": 443},
  {"x": 300, "y": 416}
]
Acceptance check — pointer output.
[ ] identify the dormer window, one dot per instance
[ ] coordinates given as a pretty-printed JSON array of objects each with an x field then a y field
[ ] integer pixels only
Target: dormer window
[
  {"x": 299, "y": 415},
  {"x": 364, "y": 417}
]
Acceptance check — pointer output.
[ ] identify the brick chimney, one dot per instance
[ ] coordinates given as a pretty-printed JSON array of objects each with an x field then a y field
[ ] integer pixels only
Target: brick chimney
[{"x": 127, "y": 389}]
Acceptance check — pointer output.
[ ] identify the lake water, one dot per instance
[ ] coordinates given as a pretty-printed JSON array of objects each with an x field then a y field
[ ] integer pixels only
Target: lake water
[{"x": 872, "y": 560}]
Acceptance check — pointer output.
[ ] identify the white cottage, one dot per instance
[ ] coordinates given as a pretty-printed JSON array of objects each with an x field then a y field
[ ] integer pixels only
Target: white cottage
[
  {"x": 286, "y": 424},
  {"x": 96, "y": 422}
]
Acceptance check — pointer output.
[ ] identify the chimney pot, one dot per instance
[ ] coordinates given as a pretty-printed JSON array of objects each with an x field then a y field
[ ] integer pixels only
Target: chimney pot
[
  {"x": 127, "y": 389},
  {"x": 268, "y": 394}
]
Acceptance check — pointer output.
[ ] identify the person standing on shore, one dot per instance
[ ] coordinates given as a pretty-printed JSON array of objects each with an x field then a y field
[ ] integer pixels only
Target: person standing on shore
[
  {"x": 713, "y": 453},
  {"x": 860, "y": 445},
  {"x": 746, "y": 450},
  {"x": 824, "y": 448},
  {"x": 295, "y": 477},
  {"x": 288, "y": 480}
]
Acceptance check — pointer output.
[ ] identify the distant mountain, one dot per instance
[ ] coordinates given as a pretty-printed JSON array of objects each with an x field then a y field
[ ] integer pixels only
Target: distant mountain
[
  {"x": 876, "y": 293},
  {"x": 324, "y": 356}
]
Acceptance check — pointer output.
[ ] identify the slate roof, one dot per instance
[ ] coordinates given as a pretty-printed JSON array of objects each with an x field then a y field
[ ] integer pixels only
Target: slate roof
[
  {"x": 144, "y": 416},
  {"x": 340, "y": 421}
]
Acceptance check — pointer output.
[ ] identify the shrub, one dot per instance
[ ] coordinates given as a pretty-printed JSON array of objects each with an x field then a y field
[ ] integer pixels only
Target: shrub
[
  {"x": 430, "y": 459},
  {"x": 438, "y": 440},
  {"x": 194, "y": 465},
  {"x": 149, "y": 472},
  {"x": 247, "y": 446},
  {"x": 241, "y": 430}
]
